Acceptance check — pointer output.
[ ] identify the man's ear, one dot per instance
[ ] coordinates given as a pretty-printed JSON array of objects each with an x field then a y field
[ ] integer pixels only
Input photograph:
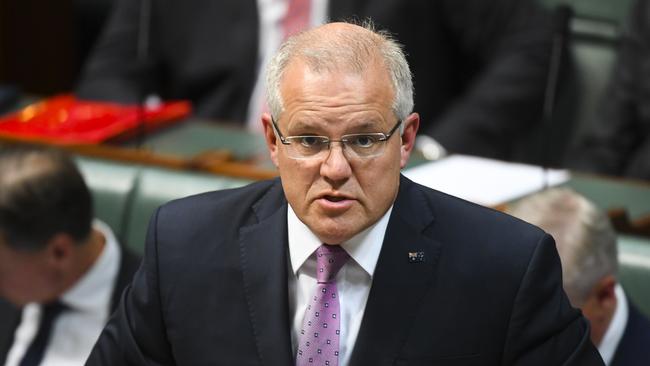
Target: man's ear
[
  {"x": 60, "y": 251},
  {"x": 270, "y": 138},
  {"x": 411, "y": 125},
  {"x": 605, "y": 292},
  {"x": 601, "y": 302}
]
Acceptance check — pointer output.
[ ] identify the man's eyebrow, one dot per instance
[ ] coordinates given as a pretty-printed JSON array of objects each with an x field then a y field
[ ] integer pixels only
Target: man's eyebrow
[
  {"x": 302, "y": 127},
  {"x": 302, "y": 124},
  {"x": 367, "y": 125}
]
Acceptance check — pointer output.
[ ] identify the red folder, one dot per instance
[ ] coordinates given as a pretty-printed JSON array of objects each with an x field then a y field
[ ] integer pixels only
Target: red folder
[{"x": 64, "y": 119}]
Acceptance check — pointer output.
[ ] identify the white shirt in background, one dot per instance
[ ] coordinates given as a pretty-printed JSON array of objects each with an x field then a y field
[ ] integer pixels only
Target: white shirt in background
[{"x": 614, "y": 333}]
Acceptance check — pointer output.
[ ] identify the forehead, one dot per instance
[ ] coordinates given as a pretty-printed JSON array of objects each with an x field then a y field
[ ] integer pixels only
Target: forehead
[{"x": 336, "y": 98}]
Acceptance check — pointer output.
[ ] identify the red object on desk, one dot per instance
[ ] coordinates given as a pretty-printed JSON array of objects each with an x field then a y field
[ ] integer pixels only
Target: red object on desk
[{"x": 64, "y": 119}]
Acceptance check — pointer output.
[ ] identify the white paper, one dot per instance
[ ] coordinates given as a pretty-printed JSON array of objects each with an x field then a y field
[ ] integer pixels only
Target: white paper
[{"x": 484, "y": 181}]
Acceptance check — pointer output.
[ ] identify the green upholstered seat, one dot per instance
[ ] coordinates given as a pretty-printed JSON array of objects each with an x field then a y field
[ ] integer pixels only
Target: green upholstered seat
[
  {"x": 595, "y": 31},
  {"x": 158, "y": 186},
  {"x": 111, "y": 185},
  {"x": 634, "y": 272},
  {"x": 610, "y": 193}
]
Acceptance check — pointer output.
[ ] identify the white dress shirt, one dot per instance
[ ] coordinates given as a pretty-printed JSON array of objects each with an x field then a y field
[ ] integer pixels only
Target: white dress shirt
[
  {"x": 76, "y": 330},
  {"x": 353, "y": 280},
  {"x": 270, "y": 14},
  {"x": 614, "y": 333}
]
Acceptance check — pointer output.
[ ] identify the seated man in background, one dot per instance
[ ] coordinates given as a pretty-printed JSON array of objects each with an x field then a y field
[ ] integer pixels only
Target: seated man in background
[
  {"x": 618, "y": 142},
  {"x": 61, "y": 272},
  {"x": 587, "y": 246},
  {"x": 480, "y": 66}
]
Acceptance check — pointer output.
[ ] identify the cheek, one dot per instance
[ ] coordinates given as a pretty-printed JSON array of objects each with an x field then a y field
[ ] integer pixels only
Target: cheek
[
  {"x": 297, "y": 178},
  {"x": 17, "y": 280},
  {"x": 379, "y": 179}
]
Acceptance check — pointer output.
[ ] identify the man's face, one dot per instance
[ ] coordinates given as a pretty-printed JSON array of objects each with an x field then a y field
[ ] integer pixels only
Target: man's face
[
  {"x": 25, "y": 275},
  {"x": 338, "y": 195}
]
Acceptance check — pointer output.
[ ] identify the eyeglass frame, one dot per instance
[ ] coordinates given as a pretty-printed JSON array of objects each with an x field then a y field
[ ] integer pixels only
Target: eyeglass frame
[{"x": 342, "y": 140}]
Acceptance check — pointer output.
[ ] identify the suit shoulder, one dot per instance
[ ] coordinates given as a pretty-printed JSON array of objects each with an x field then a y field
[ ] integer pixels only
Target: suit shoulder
[
  {"x": 222, "y": 199},
  {"x": 225, "y": 208}
]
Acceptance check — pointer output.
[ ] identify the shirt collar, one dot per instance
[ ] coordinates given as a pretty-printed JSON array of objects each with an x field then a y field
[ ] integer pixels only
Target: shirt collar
[
  {"x": 364, "y": 247},
  {"x": 614, "y": 333},
  {"x": 94, "y": 289}
]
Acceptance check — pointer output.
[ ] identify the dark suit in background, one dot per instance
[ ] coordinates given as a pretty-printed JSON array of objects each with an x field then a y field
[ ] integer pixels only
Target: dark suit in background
[
  {"x": 480, "y": 66},
  {"x": 213, "y": 288},
  {"x": 634, "y": 350}
]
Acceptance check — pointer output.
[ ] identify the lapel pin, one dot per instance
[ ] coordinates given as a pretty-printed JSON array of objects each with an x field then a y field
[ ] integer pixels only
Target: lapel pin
[{"x": 416, "y": 257}]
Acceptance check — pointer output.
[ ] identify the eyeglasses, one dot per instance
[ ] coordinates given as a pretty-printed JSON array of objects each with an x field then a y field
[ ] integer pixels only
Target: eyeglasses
[{"x": 357, "y": 145}]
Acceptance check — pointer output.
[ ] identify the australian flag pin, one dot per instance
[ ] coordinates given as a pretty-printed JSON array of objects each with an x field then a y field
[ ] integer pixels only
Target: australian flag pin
[{"x": 416, "y": 257}]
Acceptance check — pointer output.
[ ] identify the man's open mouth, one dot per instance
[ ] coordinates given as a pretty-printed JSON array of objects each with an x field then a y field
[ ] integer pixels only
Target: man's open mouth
[{"x": 334, "y": 199}]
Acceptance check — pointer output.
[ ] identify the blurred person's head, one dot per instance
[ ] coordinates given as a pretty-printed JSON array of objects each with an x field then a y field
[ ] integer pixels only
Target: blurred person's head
[
  {"x": 586, "y": 243},
  {"x": 340, "y": 127},
  {"x": 46, "y": 236}
]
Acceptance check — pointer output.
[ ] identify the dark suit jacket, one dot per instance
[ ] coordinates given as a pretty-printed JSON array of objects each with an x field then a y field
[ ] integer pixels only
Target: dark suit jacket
[
  {"x": 213, "y": 288},
  {"x": 634, "y": 348},
  {"x": 10, "y": 316},
  {"x": 480, "y": 66}
]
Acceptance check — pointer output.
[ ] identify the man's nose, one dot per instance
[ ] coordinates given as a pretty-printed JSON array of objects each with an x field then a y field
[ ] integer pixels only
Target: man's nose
[{"x": 336, "y": 165}]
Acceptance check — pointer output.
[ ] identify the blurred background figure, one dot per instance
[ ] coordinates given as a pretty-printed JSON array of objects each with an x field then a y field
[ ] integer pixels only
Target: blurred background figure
[
  {"x": 61, "y": 272},
  {"x": 586, "y": 243},
  {"x": 618, "y": 141},
  {"x": 480, "y": 66}
]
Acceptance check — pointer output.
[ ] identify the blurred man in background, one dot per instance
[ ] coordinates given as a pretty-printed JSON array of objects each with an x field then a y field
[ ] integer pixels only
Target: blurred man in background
[
  {"x": 587, "y": 246},
  {"x": 61, "y": 272}
]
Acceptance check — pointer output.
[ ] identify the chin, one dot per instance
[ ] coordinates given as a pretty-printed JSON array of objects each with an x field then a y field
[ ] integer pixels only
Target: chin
[{"x": 333, "y": 232}]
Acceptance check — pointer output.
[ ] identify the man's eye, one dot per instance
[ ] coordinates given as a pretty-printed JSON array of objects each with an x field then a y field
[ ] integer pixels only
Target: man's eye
[
  {"x": 363, "y": 140},
  {"x": 310, "y": 141}
]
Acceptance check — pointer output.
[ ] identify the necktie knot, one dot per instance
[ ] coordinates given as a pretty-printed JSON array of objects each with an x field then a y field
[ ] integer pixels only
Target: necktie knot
[
  {"x": 53, "y": 309},
  {"x": 330, "y": 259}
]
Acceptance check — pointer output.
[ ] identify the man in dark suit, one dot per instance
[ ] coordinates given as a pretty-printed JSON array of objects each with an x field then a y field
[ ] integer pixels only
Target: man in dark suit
[
  {"x": 480, "y": 66},
  {"x": 342, "y": 261},
  {"x": 60, "y": 273},
  {"x": 586, "y": 242}
]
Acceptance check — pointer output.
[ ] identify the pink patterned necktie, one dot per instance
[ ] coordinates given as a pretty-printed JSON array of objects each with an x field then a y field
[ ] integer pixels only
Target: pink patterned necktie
[{"x": 319, "y": 335}]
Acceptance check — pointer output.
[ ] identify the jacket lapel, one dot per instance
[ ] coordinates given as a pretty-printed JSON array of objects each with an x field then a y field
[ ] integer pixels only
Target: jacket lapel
[
  {"x": 263, "y": 248},
  {"x": 404, "y": 272}
]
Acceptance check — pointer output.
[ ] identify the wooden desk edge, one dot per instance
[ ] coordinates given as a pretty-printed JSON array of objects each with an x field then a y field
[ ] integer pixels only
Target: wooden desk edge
[{"x": 218, "y": 166}]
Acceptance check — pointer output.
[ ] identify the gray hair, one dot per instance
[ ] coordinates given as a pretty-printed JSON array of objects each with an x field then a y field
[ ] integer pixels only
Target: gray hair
[
  {"x": 583, "y": 234},
  {"x": 343, "y": 50}
]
